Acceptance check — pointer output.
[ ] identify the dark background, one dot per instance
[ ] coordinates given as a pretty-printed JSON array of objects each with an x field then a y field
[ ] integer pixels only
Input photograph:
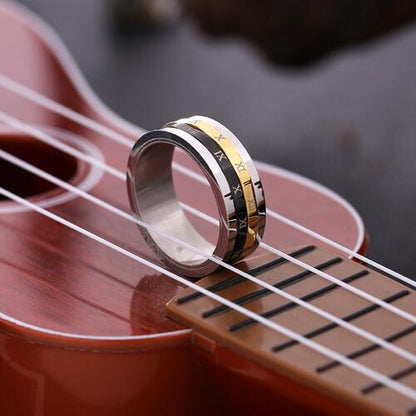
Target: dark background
[{"x": 349, "y": 122}]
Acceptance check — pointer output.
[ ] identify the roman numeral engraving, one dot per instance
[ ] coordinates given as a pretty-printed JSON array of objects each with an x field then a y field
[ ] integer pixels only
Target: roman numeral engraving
[
  {"x": 219, "y": 138},
  {"x": 258, "y": 184},
  {"x": 237, "y": 189},
  {"x": 242, "y": 224},
  {"x": 240, "y": 166},
  {"x": 251, "y": 204},
  {"x": 220, "y": 155}
]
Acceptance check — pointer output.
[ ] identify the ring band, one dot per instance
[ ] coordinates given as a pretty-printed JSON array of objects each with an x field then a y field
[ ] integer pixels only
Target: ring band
[
  {"x": 233, "y": 180},
  {"x": 248, "y": 175}
]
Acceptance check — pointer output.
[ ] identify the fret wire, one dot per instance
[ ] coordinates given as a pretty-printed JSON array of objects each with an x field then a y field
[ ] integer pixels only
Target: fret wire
[
  {"x": 347, "y": 318},
  {"x": 310, "y": 296},
  {"x": 369, "y": 348},
  {"x": 232, "y": 281},
  {"x": 252, "y": 296},
  {"x": 396, "y": 376}
]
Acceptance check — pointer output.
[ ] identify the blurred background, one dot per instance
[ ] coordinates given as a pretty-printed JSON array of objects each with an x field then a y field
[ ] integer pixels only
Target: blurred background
[{"x": 327, "y": 91}]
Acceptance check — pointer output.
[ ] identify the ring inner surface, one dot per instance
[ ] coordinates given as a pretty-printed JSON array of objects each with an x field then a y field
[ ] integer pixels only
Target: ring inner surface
[{"x": 159, "y": 206}]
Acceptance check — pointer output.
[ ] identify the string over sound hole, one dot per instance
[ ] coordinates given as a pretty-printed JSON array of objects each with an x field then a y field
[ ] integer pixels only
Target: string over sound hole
[{"x": 45, "y": 157}]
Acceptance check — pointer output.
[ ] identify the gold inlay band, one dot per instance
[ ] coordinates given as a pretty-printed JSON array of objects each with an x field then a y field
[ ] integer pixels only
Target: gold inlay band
[{"x": 243, "y": 174}]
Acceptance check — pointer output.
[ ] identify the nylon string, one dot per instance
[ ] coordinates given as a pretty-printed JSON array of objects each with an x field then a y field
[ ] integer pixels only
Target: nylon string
[
  {"x": 375, "y": 375},
  {"x": 353, "y": 328},
  {"x": 66, "y": 112},
  {"x": 13, "y": 122},
  {"x": 113, "y": 171}
]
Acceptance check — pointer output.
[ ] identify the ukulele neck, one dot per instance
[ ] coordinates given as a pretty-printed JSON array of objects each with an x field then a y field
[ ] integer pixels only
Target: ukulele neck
[{"x": 286, "y": 356}]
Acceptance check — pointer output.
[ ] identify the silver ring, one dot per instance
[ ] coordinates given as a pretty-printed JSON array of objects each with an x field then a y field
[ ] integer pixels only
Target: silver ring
[{"x": 234, "y": 182}]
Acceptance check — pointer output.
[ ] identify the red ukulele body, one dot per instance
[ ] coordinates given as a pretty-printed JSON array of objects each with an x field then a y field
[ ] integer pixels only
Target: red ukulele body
[{"x": 83, "y": 329}]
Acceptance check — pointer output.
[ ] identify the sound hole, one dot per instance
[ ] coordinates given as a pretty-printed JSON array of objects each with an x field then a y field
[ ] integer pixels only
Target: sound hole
[{"x": 47, "y": 158}]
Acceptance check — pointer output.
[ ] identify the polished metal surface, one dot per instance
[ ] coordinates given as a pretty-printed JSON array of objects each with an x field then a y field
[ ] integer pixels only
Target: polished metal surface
[
  {"x": 230, "y": 173},
  {"x": 255, "y": 178}
]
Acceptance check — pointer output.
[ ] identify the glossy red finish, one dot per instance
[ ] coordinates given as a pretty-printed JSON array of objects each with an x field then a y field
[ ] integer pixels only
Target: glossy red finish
[
  {"x": 244, "y": 387},
  {"x": 83, "y": 328}
]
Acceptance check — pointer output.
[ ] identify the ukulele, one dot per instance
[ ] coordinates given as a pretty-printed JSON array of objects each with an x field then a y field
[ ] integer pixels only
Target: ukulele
[{"x": 92, "y": 323}]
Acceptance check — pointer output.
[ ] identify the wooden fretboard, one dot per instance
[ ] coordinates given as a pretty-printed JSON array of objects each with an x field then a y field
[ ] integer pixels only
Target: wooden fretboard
[{"x": 257, "y": 342}]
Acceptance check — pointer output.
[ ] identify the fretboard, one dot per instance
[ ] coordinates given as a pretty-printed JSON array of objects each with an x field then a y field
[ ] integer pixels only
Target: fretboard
[{"x": 286, "y": 356}]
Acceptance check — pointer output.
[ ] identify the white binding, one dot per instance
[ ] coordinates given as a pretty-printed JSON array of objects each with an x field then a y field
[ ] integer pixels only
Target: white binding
[{"x": 93, "y": 176}]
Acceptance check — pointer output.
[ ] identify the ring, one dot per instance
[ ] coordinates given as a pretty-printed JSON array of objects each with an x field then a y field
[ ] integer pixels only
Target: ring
[{"x": 234, "y": 181}]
